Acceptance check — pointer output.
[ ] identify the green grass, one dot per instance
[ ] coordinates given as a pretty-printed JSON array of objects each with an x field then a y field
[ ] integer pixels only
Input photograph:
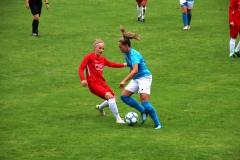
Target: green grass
[{"x": 47, "y": 114}]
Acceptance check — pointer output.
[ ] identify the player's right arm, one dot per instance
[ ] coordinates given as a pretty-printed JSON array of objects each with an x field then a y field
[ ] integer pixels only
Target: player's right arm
[
  {"x": 230, "y": 13},
  {"x": 27, "y": 4},
  {"x": 81, "y": 69}
]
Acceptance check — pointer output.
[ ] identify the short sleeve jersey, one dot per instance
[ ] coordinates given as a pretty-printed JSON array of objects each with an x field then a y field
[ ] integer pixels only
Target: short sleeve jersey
[{"x": 134, "y": 57}]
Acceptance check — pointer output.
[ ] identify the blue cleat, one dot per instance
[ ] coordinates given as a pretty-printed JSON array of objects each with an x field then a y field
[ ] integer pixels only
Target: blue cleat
[
  {"x": 158, "y": 126},
  {"x": 144, "y": 118}
]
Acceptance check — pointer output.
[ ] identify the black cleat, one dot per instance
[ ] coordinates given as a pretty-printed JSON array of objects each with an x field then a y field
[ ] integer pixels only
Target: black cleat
[
  {"x": 143, "y": 20},
  {"x": 35, "y": 34},
  {"x": 139, "y": 19}
]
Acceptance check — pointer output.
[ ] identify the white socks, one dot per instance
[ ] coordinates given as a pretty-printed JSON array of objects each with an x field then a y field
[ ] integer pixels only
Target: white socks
[
  {"x": 104, "y": 104},
  {"x": 238, "y": 47},
  {"x": 113, "y": 107},
  {"x": 139, "y": 11},
  {"x": 232, "y": 45},
  {"x": 144, "y": 9}
]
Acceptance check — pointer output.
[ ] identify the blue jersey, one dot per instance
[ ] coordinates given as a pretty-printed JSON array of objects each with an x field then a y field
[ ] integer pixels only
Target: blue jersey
[{"x": 134, "y": 57}]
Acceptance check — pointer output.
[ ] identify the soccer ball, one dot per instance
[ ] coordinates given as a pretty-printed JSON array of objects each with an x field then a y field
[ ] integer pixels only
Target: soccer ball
[{"x": 131, "y": 118}]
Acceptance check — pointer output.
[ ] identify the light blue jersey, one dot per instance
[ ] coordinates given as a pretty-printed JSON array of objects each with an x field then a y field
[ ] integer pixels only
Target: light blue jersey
[{"x": 134, "y": 57}]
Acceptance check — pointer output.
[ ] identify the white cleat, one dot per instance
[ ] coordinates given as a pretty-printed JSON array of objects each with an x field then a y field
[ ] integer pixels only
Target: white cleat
[
  {"x": 120, "y": 121},
  {"x": 188, "y": 26},
  {"x": 185, "y": 27},
  {"x": 101, "y": 110}
]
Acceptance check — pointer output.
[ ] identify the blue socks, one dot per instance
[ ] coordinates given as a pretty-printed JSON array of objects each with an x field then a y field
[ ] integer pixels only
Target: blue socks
[
  {"x": 147, "y": 108},
  {"x": 132, "y": 103},
  {"x": 151, "y": 111},
  {"x": 184, "y": 18},
  {"x": 189, "y": 16}
]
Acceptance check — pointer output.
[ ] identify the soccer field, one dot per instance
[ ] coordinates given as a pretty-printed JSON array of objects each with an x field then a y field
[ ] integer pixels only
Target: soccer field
[{"x": 45, "y": 113}]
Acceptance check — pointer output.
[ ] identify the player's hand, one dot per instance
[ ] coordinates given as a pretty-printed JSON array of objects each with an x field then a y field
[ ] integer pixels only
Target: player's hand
[
  {"x": 27, "y": 5},
  {"x": 121, "y": 85},
  {"x": 47, "y": 6},
  {"x": 125, "y": 64},
  {"x": 84, "y": 83},
  {"x": 232, "y": 24}
]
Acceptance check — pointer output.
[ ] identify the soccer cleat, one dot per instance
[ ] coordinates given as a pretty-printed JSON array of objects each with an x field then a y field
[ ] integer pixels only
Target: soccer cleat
[
  {"x": 143, "y": 20},
  {"x": 35, "y": 34},
  {"x": 120, "y": 121},
  {"x": 144, "y": 118},
  {"x": 236, "y": 54},
  {"x": 185, "y": 27},
  {"x": 139, "y": 18},
  {"x": 158, "y": 126},
  {"x": 101, "y": 110},
  {"x": 188, "y": 26},
  {"x": 232, "y": 56}
]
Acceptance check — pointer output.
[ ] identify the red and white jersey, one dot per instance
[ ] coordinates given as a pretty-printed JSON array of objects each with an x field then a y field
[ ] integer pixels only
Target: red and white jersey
[
  {"x": 94, "y": 66},
  {"x": 234, "y": 10}
]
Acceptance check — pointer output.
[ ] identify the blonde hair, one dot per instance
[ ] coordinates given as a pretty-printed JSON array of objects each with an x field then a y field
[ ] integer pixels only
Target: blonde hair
[
  {"x": 96, "y": 42},
  {"x": 127, "y": 36}
]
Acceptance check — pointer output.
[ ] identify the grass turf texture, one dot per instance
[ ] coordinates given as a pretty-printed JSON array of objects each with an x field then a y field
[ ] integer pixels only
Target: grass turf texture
[{"x": 47, "y": 114}]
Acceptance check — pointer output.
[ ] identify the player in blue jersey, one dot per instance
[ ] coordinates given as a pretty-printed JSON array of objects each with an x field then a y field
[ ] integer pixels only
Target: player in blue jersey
[
  {"x": 141, "y": 79},
  {"x": 187, "y": 6}
]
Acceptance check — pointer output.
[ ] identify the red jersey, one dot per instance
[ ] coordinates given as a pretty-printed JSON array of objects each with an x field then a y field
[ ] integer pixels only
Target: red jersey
[
  {"x": 234, "y": 11},
  {"x": 94, "y": 68}
]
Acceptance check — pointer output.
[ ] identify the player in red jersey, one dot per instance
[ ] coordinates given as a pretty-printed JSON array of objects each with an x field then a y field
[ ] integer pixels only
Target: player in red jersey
[
  {"x": 141, "y": 9},
  {"x": 94, "y": 64},
  {"x": 234, "y": 24}
]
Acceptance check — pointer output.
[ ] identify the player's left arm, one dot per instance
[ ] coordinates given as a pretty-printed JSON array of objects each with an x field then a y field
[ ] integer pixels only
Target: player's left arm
[
  {"x": 47, "y": 4},
  {"x": 114, "y": 64}
]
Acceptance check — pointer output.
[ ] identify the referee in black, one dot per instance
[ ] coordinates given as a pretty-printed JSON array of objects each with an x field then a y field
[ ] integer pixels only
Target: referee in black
[{"x": 36, "y": 7}]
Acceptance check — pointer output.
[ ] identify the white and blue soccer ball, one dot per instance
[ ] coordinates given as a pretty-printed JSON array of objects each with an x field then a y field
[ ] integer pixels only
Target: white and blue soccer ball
[{"x": 131, "y": 118}]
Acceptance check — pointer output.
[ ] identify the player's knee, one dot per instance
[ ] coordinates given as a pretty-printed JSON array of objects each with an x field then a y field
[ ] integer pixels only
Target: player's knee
[
  {"x": 124, "y": 98},
  {"x": 36, "y": 16},
  {"x": 108, "y": 95}
]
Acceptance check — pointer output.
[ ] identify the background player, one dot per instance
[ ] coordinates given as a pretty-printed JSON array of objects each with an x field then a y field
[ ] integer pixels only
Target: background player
[
  {"x": 141, "y": 9},
  {"x": 234, "y": 25},
  {"x": 36, "y": 8},
  {"x": 187, "y": 6}
]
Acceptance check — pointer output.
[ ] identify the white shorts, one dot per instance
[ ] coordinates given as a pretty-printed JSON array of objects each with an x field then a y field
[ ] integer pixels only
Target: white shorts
[
  {"x": 141, "y": 85},
  {"x": 188, "y": 4}
]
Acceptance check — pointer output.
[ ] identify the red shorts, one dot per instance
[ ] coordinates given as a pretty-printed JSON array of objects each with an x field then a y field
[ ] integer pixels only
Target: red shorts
[
  {"x": 235, "y": 30},
  {"x": 140, "y": 1},
  {"x": 100, "y": 90}
]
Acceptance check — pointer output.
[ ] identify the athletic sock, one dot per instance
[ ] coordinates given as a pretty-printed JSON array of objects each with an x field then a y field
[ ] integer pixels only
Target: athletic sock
[
  {"x": 139, "y": 11},
  {"x": 132, "y": 103},
  {"x": 103, "y": 104},
  {"x": 35, "y": 26},
  {"x": 238, "y": 47},
  {"x": 113, "y": 107},
  {"x": 151, "y": 111},
  {"x": 189, "y": 17},
  {"x": 232, "y": 45},
  {"x": 184, "y": 18},
  {"x": 144, "y": 9}
]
